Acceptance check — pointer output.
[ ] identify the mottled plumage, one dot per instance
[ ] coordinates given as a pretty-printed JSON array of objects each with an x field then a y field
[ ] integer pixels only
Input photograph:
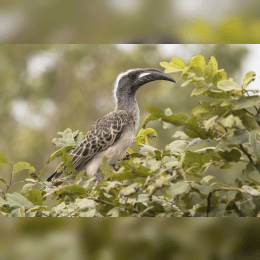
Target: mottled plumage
[
  {"x": 104, "y": 132},
  {"x": 112, "y": 134}
]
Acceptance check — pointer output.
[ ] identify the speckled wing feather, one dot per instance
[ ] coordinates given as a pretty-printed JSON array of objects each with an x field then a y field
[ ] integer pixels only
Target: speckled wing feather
[{"x": 102, "y": 134}]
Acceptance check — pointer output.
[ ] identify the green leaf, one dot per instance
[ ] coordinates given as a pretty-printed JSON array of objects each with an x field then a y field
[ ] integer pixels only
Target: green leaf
[
  {"x": 22, "y": 166},
  {"x": 232, "y": 121},
  {"x": 154, "y": 111},
  {"x": 18, "y": 212},
  {"x": 192, "y": 124},
  {"x": 177, "y": 146},
  {"x": 226, "y": 166},
  {"x": 219, "y": 75},
  {"x": 251, "y": 190},
  {"x": 26, "y": 187},
  {"x": 148, "y": 119},
  {"x": 247, "y": 120},
  {"x": 187, "y": 74},
  {"x": 178, "y": 188},
  {"x": 186, "y": 83},
  {"x": 246, "y": 207},
  {"x": 239, "y": 137},
  {"x": 114, "y": 212},
  {"x": 166, "y": 125},
  {"x": 218, "y": 211},
  {"x": 2, "y": 202},
  {"x": 200, "y": 90},
  {"x": 170, "y": 161},
  {"x": 210, "y": 69},
  {"x": 206, "y": 179},
  {"x": 106, "y": 169},
  {"x": 199, "y": 110},
  {"x": 254, "y": 144},
  {"x": 215, "y": 94},
  {"x": 249, "y": 77},
  {"x": 144, "y": 135},
  {"x": 228, "y": 102},
  {"x": 227, "y": 85},
  {"x": 210, "y": 122},
  {"x": 3, "y": 160},
  {"x": 130, "y": 190},
  {"x": 197, "y": 65},
  {"x": 75, "y": 189},
  {"x": 196, "y": 160},
  {"x": 79, "y": 177},
  {"x": 69, "y": 138},
  {"x": 35, "y": 197},
  {"x": 79, "y": 137},
  {"x": 232, "y": 156},
  {"x": 131, "y": 170},
  {"x": 3, "y": 180},
  {"x": 228, "y": 121},
  {"x": 84, "y": 204},
  {"x": 169, "y": 68},
  {"x": 180, "y": 135},
  {"x": 257, "y": 118},
  {"x": 245, "y": 102},
  {"x": 59, "y": 153},
  {"x": 176, "y": 119},
  {"x": 17, "y": 200},
  {"x": 203, "y": 189},
  {"x": 178, "y": 63}
]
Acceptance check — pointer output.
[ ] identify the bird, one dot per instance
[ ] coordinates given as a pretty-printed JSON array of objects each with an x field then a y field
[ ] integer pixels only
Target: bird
[{"x": 112, "y": 135}]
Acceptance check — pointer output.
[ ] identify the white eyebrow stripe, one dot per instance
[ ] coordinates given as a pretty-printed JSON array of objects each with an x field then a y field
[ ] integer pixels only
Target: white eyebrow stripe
[
  {"x": 143, "y": 74},
  {"x": 117, "y": 81}
]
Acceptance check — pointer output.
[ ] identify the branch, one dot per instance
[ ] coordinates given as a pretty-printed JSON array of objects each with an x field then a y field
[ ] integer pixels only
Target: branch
[
  {"x": 246, "y": 153},
  {"x": 125, "y": 207},
  {"x": 228, "y": 189}
]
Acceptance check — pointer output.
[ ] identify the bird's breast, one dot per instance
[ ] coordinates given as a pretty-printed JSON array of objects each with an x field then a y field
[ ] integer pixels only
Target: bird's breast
[{"x": 115, "y": 152}]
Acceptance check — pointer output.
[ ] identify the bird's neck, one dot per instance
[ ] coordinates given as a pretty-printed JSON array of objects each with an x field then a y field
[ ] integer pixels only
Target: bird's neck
[{"x": 131, "y": 107}]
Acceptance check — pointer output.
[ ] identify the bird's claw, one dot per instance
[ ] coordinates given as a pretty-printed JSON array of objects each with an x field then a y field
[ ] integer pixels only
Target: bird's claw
[{"x": 98, "y": 177}]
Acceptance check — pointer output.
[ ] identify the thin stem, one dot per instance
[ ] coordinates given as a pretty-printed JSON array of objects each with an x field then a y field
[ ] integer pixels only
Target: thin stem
[
  {"x": 256, "y": 109},
  {"x": 10, "y": 182},
  {"x": 228, "y": 111},
  {"x": 222, "y": 126},
  {"x": 208, "y": 203},
  {"x": 246, "y": 153},
  {"x": 219, "y": 189},
  {"x": 125, "y": 207},
  {"x": 248, "y": 112}
]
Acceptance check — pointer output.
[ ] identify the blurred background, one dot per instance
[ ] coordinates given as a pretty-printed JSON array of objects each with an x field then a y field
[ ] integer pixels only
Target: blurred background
[
  {"x": 45, "y": 89},
  {"x": 129, "y": 238},
  {"x": 129, "y": 21}
]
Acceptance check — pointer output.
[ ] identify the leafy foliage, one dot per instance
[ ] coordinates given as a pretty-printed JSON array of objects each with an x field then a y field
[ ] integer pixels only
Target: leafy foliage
[{"x": 175, "y": 181}]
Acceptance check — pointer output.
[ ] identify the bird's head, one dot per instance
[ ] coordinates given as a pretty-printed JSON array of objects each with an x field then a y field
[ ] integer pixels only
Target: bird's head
[{"x": 128, "y": 82}]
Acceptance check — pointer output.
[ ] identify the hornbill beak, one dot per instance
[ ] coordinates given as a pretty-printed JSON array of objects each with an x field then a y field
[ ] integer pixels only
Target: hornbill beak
[{"x": 149, "y": 75}]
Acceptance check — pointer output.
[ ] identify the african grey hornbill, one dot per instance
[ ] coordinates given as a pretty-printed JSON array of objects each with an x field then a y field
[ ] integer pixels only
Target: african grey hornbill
[{"x": 112, "y": 134}]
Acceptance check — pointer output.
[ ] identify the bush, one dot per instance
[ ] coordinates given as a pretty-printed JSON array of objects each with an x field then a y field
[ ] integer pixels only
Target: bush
[{"x": 175, "y": 181}]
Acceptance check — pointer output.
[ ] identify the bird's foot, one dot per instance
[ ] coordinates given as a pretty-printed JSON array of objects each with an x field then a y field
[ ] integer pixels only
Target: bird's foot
[
  {"x": 98, "y": 177},
  {"x": 116, "y": 166}
]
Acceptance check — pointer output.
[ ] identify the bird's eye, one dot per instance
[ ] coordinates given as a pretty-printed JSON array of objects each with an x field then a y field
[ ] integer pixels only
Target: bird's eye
[{"x": 132, "y": 76}]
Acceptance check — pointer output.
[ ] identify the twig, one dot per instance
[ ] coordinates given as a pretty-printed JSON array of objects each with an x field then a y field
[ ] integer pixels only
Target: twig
[
  {"x": 222, "y": 126},
  {"x": 125, "y": 207},
  {"x": 256, "y": 109},
  {"x": 218, "y": 189},
  {"x": 11, "y": 179},
  {"x": 208, "y": 203},
  {"x": 246, "y": 153}
]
